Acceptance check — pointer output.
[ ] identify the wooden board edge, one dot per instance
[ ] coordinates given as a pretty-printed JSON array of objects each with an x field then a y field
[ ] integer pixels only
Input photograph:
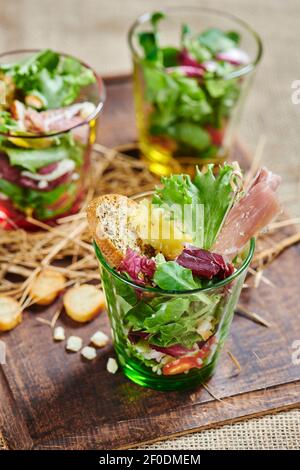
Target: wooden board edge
[
  {"x": 214, "y": 426},
  {"x": 12, "y": 424},
  {"x": 117, "y": 79},
  {"x": 228, "y": 411}
]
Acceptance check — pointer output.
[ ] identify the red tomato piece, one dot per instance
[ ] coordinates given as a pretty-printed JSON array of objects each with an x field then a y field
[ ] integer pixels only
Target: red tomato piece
[{"x": 186, "y": 363}]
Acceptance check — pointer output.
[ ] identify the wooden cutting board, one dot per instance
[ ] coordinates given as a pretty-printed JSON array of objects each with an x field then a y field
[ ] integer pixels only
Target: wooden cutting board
[{"x": 51, "y": 399}]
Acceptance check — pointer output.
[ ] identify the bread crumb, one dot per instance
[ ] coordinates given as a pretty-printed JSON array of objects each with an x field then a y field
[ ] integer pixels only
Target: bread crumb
[
  {"x": 89, "y": 353},
  {"x": 99, "y": 339},
  {"x": 59, "y": 334},
  {"x": 74, "y": 344},
  {"x": 112, "y": 365}
]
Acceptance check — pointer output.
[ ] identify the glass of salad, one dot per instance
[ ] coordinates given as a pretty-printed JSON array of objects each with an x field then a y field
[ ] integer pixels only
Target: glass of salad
[
  {"x": 173, "y": 266},
  {"x": 49, "y": 103},
  {"x": 192, "y": 68}
]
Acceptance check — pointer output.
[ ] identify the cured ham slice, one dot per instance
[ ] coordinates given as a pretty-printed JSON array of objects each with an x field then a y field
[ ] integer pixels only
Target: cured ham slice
[
  {"x": 54, "y": 120},
  {"x": 250, "y": 214}
]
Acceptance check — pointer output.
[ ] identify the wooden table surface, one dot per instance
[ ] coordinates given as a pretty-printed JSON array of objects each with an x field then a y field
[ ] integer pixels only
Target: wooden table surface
[
  {"x": 50, "y": 399},
  {"x": 96, "y": 31}
]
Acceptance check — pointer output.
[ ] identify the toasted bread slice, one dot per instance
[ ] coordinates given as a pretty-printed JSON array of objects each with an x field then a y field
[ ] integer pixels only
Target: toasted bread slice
[
  {"x": 84, "y": 303},
  {"x": 10, "y": 313},
  {"x": 46, "y": 287},
  {"x": 108, "y": 220}
]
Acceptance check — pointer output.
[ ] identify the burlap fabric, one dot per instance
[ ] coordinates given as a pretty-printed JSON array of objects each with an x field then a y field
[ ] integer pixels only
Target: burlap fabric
[
  {"x": 269, "y": 114},
  {"x": 280, "y": 431}
]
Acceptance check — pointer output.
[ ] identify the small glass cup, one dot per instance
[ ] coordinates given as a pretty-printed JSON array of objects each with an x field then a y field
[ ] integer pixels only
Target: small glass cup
[
  {"x": 208, "y": 311},
  {"x": 188, "y": 135},
  {"x": 21, "y": 196}
]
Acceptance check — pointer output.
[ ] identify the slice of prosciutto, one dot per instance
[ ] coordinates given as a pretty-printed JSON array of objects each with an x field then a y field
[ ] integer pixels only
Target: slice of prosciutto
[
  {"x": 54, "y": 120},
  {"x": 250, "y": 214}
]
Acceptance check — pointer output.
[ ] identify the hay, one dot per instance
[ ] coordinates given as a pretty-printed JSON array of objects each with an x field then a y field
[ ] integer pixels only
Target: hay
[{"x": 67, "y": 246}]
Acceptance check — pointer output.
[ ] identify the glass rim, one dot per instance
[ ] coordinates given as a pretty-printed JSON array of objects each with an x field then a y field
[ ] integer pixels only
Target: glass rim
[
  {"x": 157, "y": 290},
  {"x": 101, "y": 98},
  {"x": 243, "y": 70}
]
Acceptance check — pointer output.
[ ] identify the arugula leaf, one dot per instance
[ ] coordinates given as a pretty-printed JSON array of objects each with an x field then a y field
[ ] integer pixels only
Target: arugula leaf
[
  {"x": 168, "y": 311},
  {"x": 182, "y": 328},
  {"x": 215, "y": 193},
  {"x": 171, "y": 276},
  {"x": 138, "y": 314},
  {"x": 125, "y": 291},
  {"x": 56, "y": 79},
  {"x": 123, "y": 304},
  {"x": 34, "y": 159}
]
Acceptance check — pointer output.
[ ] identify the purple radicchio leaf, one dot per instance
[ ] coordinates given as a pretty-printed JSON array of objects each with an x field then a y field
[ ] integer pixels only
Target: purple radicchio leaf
[
  {"x": 204, "y": 263},
  {"x": 138, "y": 267}
]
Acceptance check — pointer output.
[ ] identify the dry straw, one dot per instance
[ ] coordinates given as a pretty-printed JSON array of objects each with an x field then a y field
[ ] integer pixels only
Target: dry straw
[{"x": 67, "y": 247}]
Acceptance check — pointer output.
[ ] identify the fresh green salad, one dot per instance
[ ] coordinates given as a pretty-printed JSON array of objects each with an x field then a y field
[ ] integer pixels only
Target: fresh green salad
[
  {"x": 43, "y": 138},
  {"x": 190, "y": 88},
  {"x": 172, "y": 296}
]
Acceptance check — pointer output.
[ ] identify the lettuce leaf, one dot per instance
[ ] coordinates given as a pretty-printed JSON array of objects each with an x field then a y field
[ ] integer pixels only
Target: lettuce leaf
[
  {"x": 172, "y": 321},
  {"x": 53, "y": 77},
  {"x": 216, "y": 195},
  {"x": 212, "y": 193},
  {"x": 167, "y": 311},
  {"x": 34, "y": 159}
]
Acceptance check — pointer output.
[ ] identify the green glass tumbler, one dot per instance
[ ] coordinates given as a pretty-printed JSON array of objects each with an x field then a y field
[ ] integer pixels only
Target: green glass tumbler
[
  {"x": 175, "y": 131},
  {"x": 207, "y": 310}
]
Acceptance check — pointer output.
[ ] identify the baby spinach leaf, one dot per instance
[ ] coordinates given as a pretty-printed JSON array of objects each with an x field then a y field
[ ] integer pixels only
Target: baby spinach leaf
[{"x": 172, "y": 276}]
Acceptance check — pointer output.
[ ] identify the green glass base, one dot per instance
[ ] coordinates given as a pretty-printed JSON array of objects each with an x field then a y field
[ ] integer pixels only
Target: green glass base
[{"x": 141, "y": 375}]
